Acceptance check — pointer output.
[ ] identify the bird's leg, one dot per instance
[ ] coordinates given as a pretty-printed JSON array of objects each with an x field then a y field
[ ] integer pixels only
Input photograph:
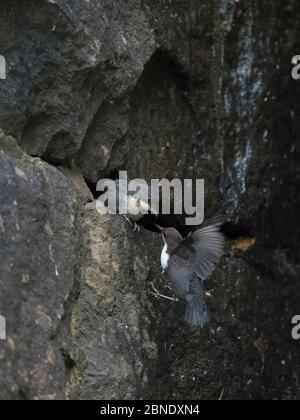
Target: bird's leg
[
  {"x": 167, "y": 285},
  {"x": 128, "y": 220},
  {"x": 157, "y": 294},
  {"x": 134, "y": 225}
]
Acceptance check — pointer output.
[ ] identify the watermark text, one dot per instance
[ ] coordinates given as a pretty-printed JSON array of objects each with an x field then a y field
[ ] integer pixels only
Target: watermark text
[
  {"x": 296, "y": 329},
  {"x": 2, "y": 328},
  {"x": 296, "y": 68},
  {"x": 2, "y": 67},
  {"x": 162, "y": 196}
]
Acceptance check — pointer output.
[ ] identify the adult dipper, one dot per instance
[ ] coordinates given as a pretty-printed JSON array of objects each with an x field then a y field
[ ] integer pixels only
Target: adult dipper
[{"x": 190, "y": 261}]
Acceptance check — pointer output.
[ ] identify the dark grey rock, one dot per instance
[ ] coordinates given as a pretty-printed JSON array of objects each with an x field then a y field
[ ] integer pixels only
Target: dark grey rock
[
  {"x": 195, "y": 89},
  {"x": 88, "y": 54},
  {"x": 37, "y": 259},
  {"x": 111, "y": 320}
]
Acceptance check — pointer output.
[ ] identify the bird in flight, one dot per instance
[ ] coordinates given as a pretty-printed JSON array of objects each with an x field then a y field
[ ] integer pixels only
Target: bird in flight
[{"x": 189, "y": 262}]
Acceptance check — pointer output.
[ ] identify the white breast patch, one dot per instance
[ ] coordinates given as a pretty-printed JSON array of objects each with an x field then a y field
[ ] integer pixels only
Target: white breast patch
[{"x": 164, "y": 259}]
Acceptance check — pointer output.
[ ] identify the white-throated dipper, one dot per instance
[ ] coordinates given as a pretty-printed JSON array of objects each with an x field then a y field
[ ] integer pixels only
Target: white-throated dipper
[{"x": 190, "y": 261}]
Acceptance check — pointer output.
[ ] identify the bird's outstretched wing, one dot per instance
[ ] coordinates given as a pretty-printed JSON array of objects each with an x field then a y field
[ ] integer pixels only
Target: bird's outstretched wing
[
  {"x": 198, "y": 254},
  {"x": 208, "y": 243}
]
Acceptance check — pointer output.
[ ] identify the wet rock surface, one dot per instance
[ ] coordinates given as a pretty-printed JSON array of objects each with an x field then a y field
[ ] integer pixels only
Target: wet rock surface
[
  {"x": 111, "y": 320},
  {"x": 188, "y": 89},
  {"x": 37, "y": 258}
]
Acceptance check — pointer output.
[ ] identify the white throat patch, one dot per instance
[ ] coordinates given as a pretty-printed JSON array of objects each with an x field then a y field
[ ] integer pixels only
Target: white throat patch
[{"x": 164, "y": 259}]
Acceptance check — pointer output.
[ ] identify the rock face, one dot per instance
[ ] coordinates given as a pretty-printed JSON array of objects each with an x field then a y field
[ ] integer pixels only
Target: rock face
[
  {"x": 38, "y": 248},
  {"x": 188, "y": 89},
  {"x": 111, "y": 320}
]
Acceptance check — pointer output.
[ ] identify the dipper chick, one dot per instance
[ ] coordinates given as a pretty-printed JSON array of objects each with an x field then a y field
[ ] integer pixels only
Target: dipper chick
[{"x": 137, "y": 205}]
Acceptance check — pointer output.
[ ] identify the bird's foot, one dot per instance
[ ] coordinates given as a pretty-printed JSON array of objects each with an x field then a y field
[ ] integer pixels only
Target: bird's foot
[
  {"x": 136, "y": 228},
  {"x": 157, "y": 294},
  {"x": 134, "y": 225}
]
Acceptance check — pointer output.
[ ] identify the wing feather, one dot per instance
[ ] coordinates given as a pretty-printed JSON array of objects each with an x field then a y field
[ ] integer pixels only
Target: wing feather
[{"x": 197, "y": 254}]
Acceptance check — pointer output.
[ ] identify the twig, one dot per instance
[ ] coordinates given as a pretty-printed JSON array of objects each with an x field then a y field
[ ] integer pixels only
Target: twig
[{"x": 157, "y": 294}]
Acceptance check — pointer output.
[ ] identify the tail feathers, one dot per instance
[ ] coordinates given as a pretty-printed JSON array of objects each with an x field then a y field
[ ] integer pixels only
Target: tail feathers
[{"x": 196, "y": 314}]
